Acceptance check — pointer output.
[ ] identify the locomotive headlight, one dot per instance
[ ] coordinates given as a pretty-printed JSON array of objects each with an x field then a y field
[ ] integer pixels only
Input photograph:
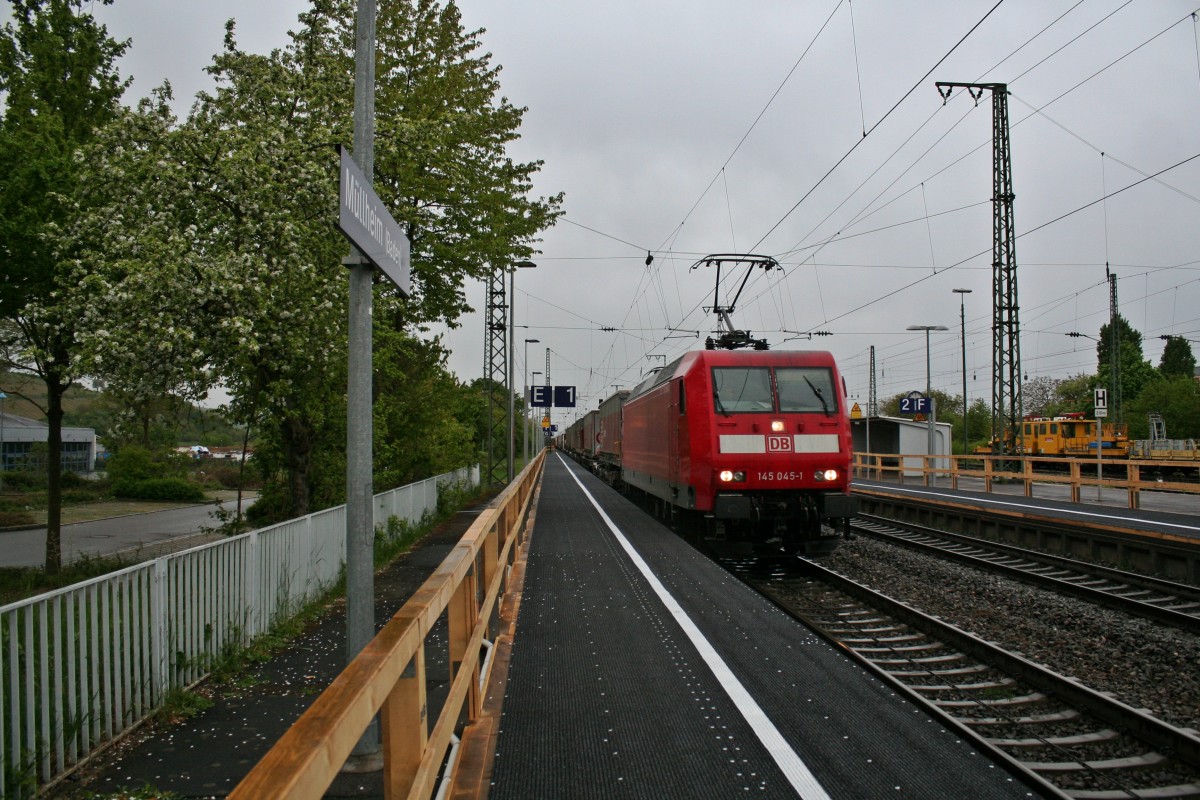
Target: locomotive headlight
[
  {"x": 826, "y": 475},
  {"x": 731, "y": 476},
  {"x": 777, "y": 426}
]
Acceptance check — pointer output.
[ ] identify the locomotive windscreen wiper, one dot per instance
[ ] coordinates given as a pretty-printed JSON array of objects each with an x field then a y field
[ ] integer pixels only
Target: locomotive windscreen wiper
[
  {"x": 817, "y": 392},
  {"x": 720, "y": 405}
]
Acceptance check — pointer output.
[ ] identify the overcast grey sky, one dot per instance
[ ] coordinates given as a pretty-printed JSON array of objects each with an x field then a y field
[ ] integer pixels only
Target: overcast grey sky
[{"x": 688, "y": 128}]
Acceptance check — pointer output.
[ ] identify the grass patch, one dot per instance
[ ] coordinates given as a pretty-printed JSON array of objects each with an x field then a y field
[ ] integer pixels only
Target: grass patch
[
  {"x": 181, "y": 704},
  {"x": 18, "y": 583}
]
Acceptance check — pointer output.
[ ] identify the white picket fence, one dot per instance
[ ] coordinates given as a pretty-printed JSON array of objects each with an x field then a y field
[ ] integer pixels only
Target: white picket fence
[{"x": 81, "y": 665}]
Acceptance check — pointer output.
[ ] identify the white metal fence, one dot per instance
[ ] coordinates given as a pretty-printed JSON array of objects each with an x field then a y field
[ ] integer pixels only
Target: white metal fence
[{"x": 81, "y": 665}]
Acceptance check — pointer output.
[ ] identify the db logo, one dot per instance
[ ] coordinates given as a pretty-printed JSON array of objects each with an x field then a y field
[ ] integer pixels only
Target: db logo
[{"x": 779, "y": 444}]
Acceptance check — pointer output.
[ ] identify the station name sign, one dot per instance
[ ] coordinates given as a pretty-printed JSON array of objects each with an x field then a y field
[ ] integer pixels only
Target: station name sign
[{"x": 366, "y": 222}]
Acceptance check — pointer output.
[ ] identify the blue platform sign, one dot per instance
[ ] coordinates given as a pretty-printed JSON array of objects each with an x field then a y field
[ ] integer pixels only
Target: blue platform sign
[
  {"x": 914, "y": 405},
  {"x": 564, "y": 396},
  {"x": 539, "y": 396}
]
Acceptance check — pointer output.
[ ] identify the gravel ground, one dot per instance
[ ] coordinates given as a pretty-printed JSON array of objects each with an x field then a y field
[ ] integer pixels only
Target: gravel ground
[{"x": 1144, "y": 664}]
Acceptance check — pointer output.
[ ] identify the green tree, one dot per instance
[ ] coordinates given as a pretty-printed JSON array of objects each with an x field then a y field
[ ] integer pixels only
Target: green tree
[
  {"x": 1177, "y": 398},
  {"x": 419, "y": 427},
  {"x": 1074, "y": 394},
  {"x": 58, "y": 74},
  {"x": 1039, "y": 396},
  {"x": 242, "y": 216},
  {"x": 441, "y": 161},
  {"x": 1177, "y": 359},
  {"x": 139, "y": 264},
  {"x": 1135, "y": 370}
]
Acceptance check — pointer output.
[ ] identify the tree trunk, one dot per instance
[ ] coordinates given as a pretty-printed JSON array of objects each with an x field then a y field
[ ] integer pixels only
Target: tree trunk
[
  {"x": 54, "y": 417},
  {"x": 297, "y": 445}
]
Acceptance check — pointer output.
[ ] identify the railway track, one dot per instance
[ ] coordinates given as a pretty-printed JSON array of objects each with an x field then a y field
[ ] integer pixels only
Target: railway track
[
  {"x": 1153, "y": 598},
  {"x": 1083, "y": 744}
]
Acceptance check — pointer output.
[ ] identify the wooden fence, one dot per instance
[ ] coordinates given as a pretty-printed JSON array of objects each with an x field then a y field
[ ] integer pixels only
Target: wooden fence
[
  {"x": 1134, "y": 477},
  {"x": 81, "y": 665},
  {"x": 388, "y": 676}
]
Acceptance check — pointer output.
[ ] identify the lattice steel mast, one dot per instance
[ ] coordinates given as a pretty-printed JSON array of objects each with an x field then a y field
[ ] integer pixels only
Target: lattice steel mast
[
  {"x": 495, "y": 370},
  {"x": 1006, "y": 329}
]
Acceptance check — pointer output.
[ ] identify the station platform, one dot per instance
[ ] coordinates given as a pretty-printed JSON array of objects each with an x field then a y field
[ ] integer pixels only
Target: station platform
[
  {"x": 641, "y": 669},
  {"x": 1162, "y": 513}
]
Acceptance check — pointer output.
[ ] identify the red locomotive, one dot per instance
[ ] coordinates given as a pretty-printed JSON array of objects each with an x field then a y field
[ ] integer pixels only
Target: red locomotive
[{"x": 754, "y": 445}]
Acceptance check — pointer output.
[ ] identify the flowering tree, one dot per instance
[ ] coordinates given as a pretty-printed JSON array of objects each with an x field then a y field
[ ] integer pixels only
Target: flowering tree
[
  {"x": 226, "y": 267},
  {"x": 60, "y": 84}
]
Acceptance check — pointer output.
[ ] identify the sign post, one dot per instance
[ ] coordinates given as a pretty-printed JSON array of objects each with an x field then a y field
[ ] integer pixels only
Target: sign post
[
  {"x": 376, "y": 242},
  {"x": 1101, "y": 404}
]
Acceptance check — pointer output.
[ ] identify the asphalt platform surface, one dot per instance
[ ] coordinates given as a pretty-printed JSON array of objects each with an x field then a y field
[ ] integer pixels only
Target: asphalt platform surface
[
  {"x": 209, "y": 754},
  {"x": 641, "y": 670}
]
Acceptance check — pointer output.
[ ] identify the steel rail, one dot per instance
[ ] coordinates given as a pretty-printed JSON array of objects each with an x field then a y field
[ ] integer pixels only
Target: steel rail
[
  {"x": 1184, "y": 611},
  {"x": 1181, "y": 744}
]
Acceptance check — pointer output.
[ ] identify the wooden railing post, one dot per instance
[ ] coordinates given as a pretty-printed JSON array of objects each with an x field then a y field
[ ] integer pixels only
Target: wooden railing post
[
  {"x": 405, "y": 725},
  {"x": 1135, "y": 482},
  {"x": 462, "y": 614}
]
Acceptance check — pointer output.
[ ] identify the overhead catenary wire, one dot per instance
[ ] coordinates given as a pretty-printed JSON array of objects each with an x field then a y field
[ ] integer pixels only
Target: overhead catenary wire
[
  {"x": 775, "y": 280},
  {"x": 1095, "y": 74}
]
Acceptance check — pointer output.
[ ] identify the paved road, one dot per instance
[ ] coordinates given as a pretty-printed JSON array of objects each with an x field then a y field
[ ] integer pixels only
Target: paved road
[{"x": 109, "y": 536}]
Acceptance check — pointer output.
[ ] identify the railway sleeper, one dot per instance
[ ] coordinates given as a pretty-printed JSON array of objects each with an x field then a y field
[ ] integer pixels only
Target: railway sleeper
[
  {"x": 923, "y": 660},
  {"x": 1178, "y": 791},
  {"x": 1143, "y": 761},
  {"x": 1033, "y": 719},
  {"x": 999, "y": 702},
  {"x": 910, "y": 648},
  {"x": 1003, "y": 683},
  {"x": 1094, "y": 737},
  {"x": 907, "y": 637},
  {"x": 974, "y": 669},
  {"x": 1190, "y": 608}
]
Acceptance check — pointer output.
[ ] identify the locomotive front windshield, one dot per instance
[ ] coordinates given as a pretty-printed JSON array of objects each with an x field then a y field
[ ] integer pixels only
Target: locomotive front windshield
[
  {"x": 807, "y": 389},
  {"x": 747, "y": 390}
]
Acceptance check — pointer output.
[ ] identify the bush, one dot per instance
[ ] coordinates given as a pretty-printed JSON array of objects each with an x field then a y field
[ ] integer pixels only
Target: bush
[
  {"x": 73, "y": 480},
  {"x": 24, "y": 480},
  {"x": 173, "y": 490},
  {"x": 137, "y": 464},
  {"x": 85, "y": 495},
  {"x": 11, "y": 519},
  {"x": 273, "y": 505},
  {"x": 227, "y": 475}
]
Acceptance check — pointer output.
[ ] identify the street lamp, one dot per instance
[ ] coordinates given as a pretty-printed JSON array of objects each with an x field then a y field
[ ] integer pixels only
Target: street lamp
[
  {"x": 525, "y": 417},
  {"x": 962, "y": 319},
  {"x": 928, "y": 384},
  {"x": 512, "y": 321}
]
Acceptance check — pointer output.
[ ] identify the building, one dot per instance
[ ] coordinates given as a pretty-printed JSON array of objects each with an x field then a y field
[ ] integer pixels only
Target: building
[
  {"x": 19, "y": 437},
  {"x": 895, "y": 436}
]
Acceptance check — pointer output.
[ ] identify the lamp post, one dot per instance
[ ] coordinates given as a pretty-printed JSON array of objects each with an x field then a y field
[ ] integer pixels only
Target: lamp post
[
  {"x": 535, "y": 422},
  {"x": 962, "y": 321},
  {"x": 1099, "y": 428},
  {"x": 512, "y": 321},
  {"x": 928, "y": 379},
  {"x": 525, "y": 416}
]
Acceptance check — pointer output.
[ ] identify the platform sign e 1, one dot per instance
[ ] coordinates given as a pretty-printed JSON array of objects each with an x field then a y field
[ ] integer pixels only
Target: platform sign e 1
[
  {"x": 540, "y": 396},
  {"x": 564, "y": 396},
  {"x": 1101, "y": 398}
]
